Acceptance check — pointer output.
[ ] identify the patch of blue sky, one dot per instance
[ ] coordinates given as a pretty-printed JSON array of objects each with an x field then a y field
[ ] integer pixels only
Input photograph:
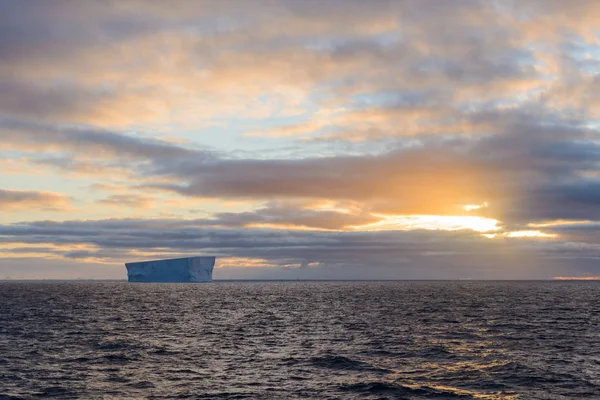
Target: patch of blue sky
[
  {"x": 232, "y": 133},
  {"x": 587, "y": 57},
  {"x": 44, "y": 177},
  {"x": 593, "y": 124},
  {"x": 391, "y": 98},
  {"x": 12, "y": 155},
  {"x": 45, "y": 180},
  {"x": 233, "y": 136},
  {"x": 322, "y": 148},
  {"x": 338, "y": 44}
]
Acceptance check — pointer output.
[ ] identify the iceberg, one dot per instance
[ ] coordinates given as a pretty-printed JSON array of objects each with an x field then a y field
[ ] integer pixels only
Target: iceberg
[{"x": 190, "y": 269}]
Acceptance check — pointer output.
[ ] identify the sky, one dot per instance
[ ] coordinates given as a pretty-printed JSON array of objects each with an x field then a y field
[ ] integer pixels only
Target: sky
[{"x": 338, "y": 139}]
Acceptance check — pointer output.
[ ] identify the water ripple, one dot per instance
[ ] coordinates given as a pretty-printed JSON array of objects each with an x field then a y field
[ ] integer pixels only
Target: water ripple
[{"x": 335, "y": 340}]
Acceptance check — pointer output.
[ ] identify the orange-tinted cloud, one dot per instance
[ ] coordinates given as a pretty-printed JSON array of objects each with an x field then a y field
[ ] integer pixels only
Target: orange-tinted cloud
[
  {"x": 11, "y": 200},
  {"x": 576, "y": 278}
]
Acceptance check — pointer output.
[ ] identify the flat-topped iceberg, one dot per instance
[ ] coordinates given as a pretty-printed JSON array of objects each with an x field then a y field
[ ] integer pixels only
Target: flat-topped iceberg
[{"x": 189, "y": 269}]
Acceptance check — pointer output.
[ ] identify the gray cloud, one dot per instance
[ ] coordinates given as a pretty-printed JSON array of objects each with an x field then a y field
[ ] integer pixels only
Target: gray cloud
[
  {"x": 567, "y": 200},
  {"x": 58, "y": 101},
  {"x": 30, "y": 199},
  {"x": 289, "y": 214},
  {"x": 97, "y": 142}
]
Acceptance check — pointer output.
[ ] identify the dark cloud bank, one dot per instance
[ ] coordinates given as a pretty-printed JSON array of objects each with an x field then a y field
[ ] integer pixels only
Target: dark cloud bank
[{"x": 294, "y": 254}]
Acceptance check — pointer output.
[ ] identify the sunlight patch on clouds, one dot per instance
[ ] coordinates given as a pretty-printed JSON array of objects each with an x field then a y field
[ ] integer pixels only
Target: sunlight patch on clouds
[
  {"x": 245, "y": 262},
  {"x": 290, "y": 226},
  {"x": 559, "y": 222},
  {"x": 45, "y": 250},
  {"x": 576, "y": 278},
  {"x": 489, "y": 235},
  {"x": 433, "y": 222},
  {"x": 471, "y": 207},
  {"x": 530, "y": 234},
  {"x": 336, "y": 206},
  {"x": 25, "y": 250}
]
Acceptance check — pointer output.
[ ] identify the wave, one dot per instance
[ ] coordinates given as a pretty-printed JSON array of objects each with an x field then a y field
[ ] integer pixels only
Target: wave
[
  {"x": 396, "y": 389},
  {"x": 344, "y": 363}
]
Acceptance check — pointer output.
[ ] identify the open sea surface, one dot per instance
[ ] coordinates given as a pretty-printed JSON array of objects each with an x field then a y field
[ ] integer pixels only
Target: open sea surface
[{"x": 300, "y": 340}]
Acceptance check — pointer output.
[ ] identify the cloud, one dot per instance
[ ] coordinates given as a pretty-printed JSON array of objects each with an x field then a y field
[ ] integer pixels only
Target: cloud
[
  {"x": 576, "y": 278},
  {"x": 101, "y": 143},
  {"x": 323, "y": 117},
  {"x": 128, "y": 200},
  {"x": 24, "y": 99},
  {"x": 213, "y": 59},
  {"x": 294, "y": 215},
  {"x": 33, "y": 200},
  {"x": 526, "y": 170},
  {"x": 119, "y": 66},
  {"x": 399, "y": 254},
  {"x": 44, "y": 268},
  {"x": 281, "y": 254}
]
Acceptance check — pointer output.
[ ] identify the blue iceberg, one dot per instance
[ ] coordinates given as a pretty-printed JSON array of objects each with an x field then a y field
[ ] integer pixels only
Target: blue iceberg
[{"x": 189, "y": 269}]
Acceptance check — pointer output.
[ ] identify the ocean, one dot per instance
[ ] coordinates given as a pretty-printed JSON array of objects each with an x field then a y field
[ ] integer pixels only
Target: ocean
[{"x": 300, "y": 340}]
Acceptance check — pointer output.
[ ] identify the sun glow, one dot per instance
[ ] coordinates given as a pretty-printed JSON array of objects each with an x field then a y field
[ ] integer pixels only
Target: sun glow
[
  {"x": 560, "y": 222},
  {"x": 471, "y": 207},
  {"x": 434, "y": 222},
  {"x": 530, "y": 234}
]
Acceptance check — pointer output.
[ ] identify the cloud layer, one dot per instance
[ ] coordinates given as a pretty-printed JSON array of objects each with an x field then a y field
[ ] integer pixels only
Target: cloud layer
[{"x": 416, "y": 254}]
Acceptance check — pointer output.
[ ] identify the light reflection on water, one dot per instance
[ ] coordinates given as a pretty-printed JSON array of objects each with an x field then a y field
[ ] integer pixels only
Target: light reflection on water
[{"x": 285, "y": 340}]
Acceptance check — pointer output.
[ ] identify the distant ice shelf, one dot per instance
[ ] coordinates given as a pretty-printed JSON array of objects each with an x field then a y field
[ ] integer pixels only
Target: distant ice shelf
[{"x": 189, "y": 269}]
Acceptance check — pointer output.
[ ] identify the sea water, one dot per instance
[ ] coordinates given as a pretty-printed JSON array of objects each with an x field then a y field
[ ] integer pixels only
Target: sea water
[{"x": 300, "y": 340}]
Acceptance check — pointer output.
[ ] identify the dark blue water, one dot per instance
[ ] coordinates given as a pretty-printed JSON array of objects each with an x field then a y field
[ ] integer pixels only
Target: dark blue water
[{"x": 301, "y": 340}]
